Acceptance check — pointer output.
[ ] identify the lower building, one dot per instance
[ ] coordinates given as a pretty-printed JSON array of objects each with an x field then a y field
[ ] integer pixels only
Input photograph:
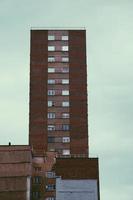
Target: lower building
[
  {"x": 43, "y": 177},
  {"x": 15, "y": 172},
  {"x": 77, "y": 179},
  {"x": 24, "y": 176},
  {"x": 65, "y": 177}
]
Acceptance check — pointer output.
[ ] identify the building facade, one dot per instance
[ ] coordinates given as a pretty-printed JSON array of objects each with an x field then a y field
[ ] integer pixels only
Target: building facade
[
  {"x": 58, "y": 121},
  {"x": 56, "y": 163},
  {"x": 15, "y": 172},
  {"x": 58, "y": 92}
]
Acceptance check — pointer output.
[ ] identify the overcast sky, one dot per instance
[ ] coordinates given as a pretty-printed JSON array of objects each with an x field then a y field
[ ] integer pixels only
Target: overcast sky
[{"x": 109, "y": 25}]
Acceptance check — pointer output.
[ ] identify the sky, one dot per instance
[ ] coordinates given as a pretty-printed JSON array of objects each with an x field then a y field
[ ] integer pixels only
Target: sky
[{"x": 109, "y": 29}]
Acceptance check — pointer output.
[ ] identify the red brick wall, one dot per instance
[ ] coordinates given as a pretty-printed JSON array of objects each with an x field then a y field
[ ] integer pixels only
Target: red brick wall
[
  {"x": 38, "y": 88},
  {"x": 78, "y": 92}
]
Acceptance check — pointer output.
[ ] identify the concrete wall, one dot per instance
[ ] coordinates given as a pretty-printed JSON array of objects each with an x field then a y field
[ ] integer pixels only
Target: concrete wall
[{"x": 76, "y": 189}]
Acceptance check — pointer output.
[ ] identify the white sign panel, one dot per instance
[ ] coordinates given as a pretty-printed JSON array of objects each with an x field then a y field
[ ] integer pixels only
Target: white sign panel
[{"x": 76, "y": 189}]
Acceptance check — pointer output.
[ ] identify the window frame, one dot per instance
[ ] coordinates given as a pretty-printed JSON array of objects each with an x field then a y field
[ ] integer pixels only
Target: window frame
[
  {"x": 51, "y": 92},
  {"x": 51, "y": 37},
  {"x": 65, "y": 59},
  {"x": 66, "y": 154},
  {"x": 50, "y": 187},
  {"x": 51, "y": 48},
  {"x": 66, "y": 139},
  {"x": 51, "y": 59},
  {"x": 65, "y": 37},
  {"x": 51, "y": 81},
  {"x": 65, "y": 127},
  {"x": 51, "y": 115},
  {"x": 65, "y": 92},
  {"x": 65, "y": 81},
  {"x": 63, "y": 104},
  {"x": 65, "y": 48},
  {"x": 51, "y": 127},
  {"x": 65, "y": 114},
  {"x": 50, "y": 103},
  {"x": 50, "y": 174},
  {"x": 51, "y": 70},
  {"x": 65, "y": 70},
  {"x": 51, "y": 139}
]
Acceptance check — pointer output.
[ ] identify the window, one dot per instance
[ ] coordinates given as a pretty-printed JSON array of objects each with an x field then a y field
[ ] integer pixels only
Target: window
[
  {"x": 51, "y": 70},
  {"x": 50, "y": 103},
  {"x": 64, "y": 48},
  {"x": 36, "y": 179},
  {"x": 50, "y": 174},
  {"x": 37, "y": 169},
  {"x": 65, "y": 70},
  {"x": 51, "y": 115},
  {"x": 64, "y": 37},
  {"x": 66, "y": 139},
  {"x": 51, "y": 127},
  {"x": 65, "y": 92},
  {"x": 51, "y": 59},
  {"x": 51, "y": 37},
  {"x": 51, "y": 92},
  {"x": 51, "y": 139},
  {"x": 65, "y": 81},
  {"x": 66, "y": 152},
  {"x": 65, "y": 127},
  {"x": 51, "y": 48},
  {"x": 50, "y": 198},
  {"x": 65, "y": 115},
  {"x": 51, "y": 81},
  {"x": 36, "y": 194},
  {"x": 50, "y": 187},
  {"x": 65, "y": 59},
  {"x": 65, "y": 104}
]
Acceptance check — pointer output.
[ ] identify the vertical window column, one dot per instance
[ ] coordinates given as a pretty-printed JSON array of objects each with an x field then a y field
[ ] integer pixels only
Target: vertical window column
[{"x": 58, "y": 88}]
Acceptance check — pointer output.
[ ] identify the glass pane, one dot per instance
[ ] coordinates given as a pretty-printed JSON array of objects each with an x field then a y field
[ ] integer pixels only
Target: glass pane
[
  {"x": 65, "y": 81},
  {"x": 65, "y": 59},
  {"x": 64, "y": 37},
  {"x": 51, "y": 70},
  {"x": 51, "y": 59},
  {"x": 51, "y": 48},
  {"x": 64, "y": 48},
  {"x": 51, "y": 37},
  {"x": 66, "y": 152},
  {"x": 65, "y": 103},
  {"x": 65, "y": 92},
  {"x": 51, "y": 81}
]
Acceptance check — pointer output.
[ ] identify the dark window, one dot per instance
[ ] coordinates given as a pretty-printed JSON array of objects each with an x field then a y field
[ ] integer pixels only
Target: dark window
[
  {"x": 36, "y": 194},
  {"x": 50, "y": 198},
  {"x": 65, "y": 127},
  {"x": 37, "y": 169},
  {"x": 50, "y": 187},
  {"x": 50, "y": 174},
  {"x": 51, "y": 139},
  {"x": 36, "y": 179}
]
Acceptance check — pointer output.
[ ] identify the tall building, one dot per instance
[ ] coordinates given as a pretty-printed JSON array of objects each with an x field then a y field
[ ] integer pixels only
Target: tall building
[
  {"x": 58, "y": 92},
  {"x": 56, "y": 163},
  {"x": 58, "y": 126}
]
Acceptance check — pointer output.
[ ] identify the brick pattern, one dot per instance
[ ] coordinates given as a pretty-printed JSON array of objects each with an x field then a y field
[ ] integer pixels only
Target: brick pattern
[
  {"x": 78, "y": 92},
  {"x": 38, "y": 88}
]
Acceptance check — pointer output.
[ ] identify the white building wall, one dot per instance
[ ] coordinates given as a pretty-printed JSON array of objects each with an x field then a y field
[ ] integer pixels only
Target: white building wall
[{"x": 76, "y": 189}]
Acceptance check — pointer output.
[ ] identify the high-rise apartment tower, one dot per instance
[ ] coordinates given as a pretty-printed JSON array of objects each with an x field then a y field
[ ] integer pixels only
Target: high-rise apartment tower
[
  {"x": 58, "y": 131},
  {"x": 58, "y": 92}
]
